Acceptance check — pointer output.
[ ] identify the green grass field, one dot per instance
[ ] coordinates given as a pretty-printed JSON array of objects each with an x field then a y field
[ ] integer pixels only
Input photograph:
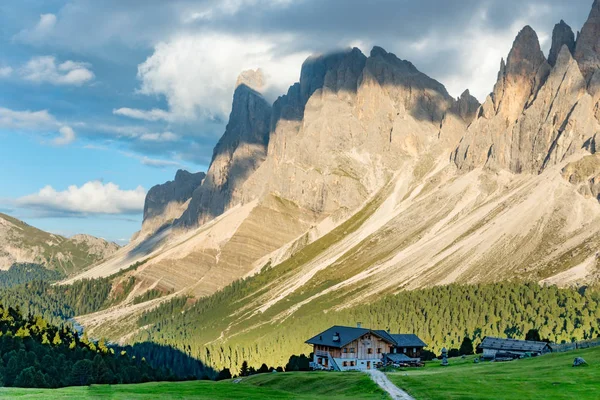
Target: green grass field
[
  {"x": 299, "y": 385},
  {"x": 548, "y": 377}
]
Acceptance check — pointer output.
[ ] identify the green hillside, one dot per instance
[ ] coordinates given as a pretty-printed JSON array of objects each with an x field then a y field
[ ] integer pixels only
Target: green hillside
[
  {"x": 441, "y": 316},
  {"x": 549, "y": 377}
]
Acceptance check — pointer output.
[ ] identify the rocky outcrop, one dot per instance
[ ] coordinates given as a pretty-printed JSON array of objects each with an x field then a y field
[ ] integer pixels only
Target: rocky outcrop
[
  {"x": 587, "y": 50},
  {"x": 466, "y": 107},
  {"x": 562, "y": 35},
  {"x": 165, "y": 203},
  {"x": 239, "y": 152},
  {"x": 585, "y": 175},
  {"x": 536, "y": 117},
  {"x": 521, "y": 76}
]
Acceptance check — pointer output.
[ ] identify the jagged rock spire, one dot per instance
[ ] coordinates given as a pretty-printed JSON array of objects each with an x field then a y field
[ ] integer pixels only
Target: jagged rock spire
[
  {"x": 587, "y": 49},
  {"x": 562, "y": 35},
  {"x": 466, "y": 106},
  {"x": 521, "y": 76}
]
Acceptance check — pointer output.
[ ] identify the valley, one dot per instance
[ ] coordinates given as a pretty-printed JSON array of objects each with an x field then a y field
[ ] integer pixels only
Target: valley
[{"x": 365, "y": 194}]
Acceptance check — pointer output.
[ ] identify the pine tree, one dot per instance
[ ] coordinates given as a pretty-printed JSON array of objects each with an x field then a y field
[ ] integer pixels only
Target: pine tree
[
  {"x": 244, "y": 371},
  {"x": 466, "y": 347}
]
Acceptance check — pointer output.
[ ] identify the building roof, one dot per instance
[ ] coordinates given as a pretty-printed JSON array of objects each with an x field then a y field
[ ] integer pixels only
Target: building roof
[
  {"x": 408, "y": 340},
  {"x": 348, "y": 334},
  {"x": 495, "y": 343},
  {"x": 398, "y": 358}
]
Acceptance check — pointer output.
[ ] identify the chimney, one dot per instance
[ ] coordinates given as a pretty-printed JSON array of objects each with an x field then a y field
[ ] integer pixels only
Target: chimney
[
  {"x": 359, "y": 324},
  {"x": 336, "y": 337}
]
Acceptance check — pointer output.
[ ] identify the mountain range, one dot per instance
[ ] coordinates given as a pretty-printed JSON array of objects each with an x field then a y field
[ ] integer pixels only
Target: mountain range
[{"x": 367, "y": 178}]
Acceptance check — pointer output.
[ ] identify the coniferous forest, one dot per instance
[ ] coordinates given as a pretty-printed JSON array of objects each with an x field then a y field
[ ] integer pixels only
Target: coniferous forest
[
  {"x": 181, "y": 335},
  {"x": 38, "y": 354},
  {"x": 441, "y": 316}
]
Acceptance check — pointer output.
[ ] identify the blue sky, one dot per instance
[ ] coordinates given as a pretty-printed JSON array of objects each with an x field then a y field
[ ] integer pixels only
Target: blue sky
[{"x": 101, "y": 100}]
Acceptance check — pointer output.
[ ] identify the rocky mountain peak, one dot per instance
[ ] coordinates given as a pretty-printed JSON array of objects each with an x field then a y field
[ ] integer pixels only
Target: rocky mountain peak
[
  {"x": 254, "y": 79},
  {"x": 338, "y": 71},
  {"x": 587, "y": 49},
  {"x": 562, "y": 35},
  {"x": 526, "y": 55},
  {"x": 166, "y": 202},
  {"x": 239, "y": 152},
  {"x": 521, "y": 76},
  {"x": 466, "y": 106}
]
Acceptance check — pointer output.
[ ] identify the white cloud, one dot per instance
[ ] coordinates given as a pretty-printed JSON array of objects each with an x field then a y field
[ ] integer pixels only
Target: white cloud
[
  {"x": 156, "y": 163},
  {"x": 39, "y": 32},
  {"x": 44, "y": 69},
  {"x": 197, "y": 73},
  {"x": 37, "y": 121},
  {"x": 67, "y": 136},
  {"x": 159, "y": 137},
  {"x": 152, "y": 162},
  {"x": 149, "y": 115},
  {"x": 5, "y": 72},
  {"x": 26, "y": 119},
  {"x": 138, "y": 132},
  {"x": 93, "y": 197}
]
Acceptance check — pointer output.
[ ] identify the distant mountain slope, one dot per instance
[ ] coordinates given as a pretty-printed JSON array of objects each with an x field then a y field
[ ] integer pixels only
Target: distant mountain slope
[{"x": 22, "y": 243}]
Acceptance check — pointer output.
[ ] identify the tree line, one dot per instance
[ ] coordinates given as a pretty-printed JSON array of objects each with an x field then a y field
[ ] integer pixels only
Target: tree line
[{"x": 441, "y": 316}]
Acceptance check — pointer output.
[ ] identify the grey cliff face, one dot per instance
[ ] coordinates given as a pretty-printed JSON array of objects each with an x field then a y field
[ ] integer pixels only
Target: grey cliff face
[
  {"x": 163, "y": 201},
  {"x": 587, "y": 49},
  {"x": 466, "y": 106},
  {"x": 562, "y": 35},
  {"x": 239, "y": 152}
]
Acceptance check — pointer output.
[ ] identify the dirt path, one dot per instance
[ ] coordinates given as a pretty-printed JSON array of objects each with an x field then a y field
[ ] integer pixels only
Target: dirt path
[{"x": 394, "y": 391}]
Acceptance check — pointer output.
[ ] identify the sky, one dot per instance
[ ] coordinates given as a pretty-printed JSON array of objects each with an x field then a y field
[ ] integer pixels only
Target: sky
[{"x": 101, "y": 100}]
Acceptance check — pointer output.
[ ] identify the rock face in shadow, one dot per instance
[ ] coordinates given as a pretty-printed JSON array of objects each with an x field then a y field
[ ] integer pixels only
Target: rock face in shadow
[
  {"x": 467, "y": 106},
  {"x": 562, "y": 35},
  {"x": 239, "y": 152},
  {"x": 165, "y": 203},
  {"x": 587, "y": 50}
]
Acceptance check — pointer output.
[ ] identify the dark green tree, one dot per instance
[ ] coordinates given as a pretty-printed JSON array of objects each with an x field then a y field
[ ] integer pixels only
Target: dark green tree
[{"x": 466, "y": 347}]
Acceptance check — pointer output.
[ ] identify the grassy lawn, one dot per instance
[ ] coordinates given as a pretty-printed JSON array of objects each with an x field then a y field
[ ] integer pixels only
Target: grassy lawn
[
  {"x": 299, "y": 385},
  {"x": 548, "y": 377}
]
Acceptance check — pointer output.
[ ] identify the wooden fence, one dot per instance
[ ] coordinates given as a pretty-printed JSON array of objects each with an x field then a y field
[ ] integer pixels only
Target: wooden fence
[{"x": 584, "y": 344}]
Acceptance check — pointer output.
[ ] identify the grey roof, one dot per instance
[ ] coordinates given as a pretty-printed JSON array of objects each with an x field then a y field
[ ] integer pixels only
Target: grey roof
[
  {"x": 348, "y": 334},
  {"x": 408, "y": 340},
  {"x": 398, "y": 358},
  {"x": 495, "y": 343}
]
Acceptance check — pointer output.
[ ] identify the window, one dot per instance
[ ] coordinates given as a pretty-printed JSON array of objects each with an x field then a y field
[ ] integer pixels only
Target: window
[
  {"x": 344, "y": 364},
  {"x": 404, "y": 350},
  {"x": 378, "y": 350},
  {"x": 345, "y": 349},
  {"x": 351, "y": 349},
  {"x": 369, "y": 350},
  {"x": 352, "y": 363},
  {"x": 414, "y": 349}
]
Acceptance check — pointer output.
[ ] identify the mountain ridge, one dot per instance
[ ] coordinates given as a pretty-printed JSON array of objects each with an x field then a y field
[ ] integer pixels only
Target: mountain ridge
[
  {"x": 374, "y": 180},
  {"x": 22, "y": 243}
]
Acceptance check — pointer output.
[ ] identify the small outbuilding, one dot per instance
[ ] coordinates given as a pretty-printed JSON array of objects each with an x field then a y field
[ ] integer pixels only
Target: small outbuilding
[{"x": 506, "y": 349}]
